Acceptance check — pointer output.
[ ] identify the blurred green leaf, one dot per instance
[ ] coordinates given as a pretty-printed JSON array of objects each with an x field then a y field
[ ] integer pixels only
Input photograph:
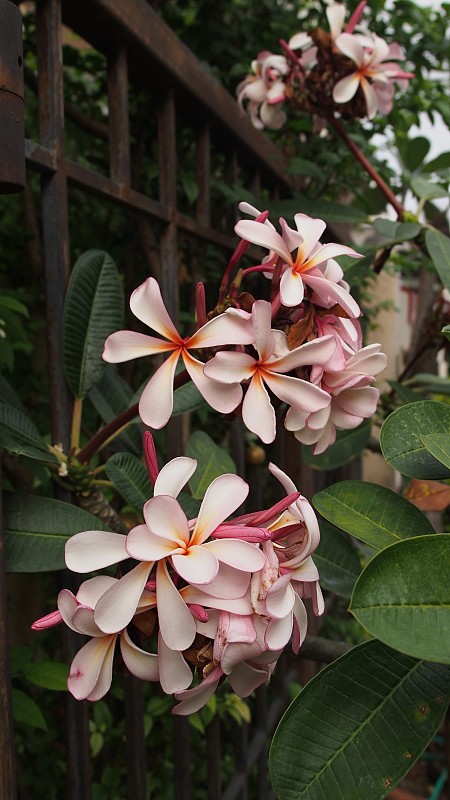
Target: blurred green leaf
[
  {"x": 212, "y": 461},
  {"x": 348, "y": 446},
  {"x": 19, "y": 435},
  {"x": 49, "y": 674},
  {"x": 438, "y": 444},
  {"x": 337, "y": 560},
  {"x": 130, "y": 477},
  {"x": 401, "y": 443},
  {"x": 426, "y": 190},
  {"x": 438, "y": 247},
  {"x": 26, "y": 710},
  {"x": 415, "y": 152}
]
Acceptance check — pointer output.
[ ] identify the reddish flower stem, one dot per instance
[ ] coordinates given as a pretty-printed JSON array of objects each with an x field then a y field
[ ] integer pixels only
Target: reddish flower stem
[
  {"x": 235, "y": 258},
  {"x": 367, "y": 166},
  {"x": 94, "y": 444}
]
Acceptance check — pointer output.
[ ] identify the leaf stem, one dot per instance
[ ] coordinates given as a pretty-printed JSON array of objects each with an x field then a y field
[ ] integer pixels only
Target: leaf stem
[{"x": 76, "y": 424}]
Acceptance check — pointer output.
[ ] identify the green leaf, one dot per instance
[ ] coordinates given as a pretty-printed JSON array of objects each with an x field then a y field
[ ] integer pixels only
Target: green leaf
[
  {"x": 93, "y": 310},
  {"x": 438, "y": 247},
  {"x": 130, "y": 477},
  {"x": 348, "y": 445},
  {"x": 438, "y": 444},
  {"x": 301, "y": 166},
  {"x": 406, "y": 394},
  {"x": 438, "y": 164},
  {"x": 49, "y": 674},
  {"x": 13, "y": 305},
  {"x": 397, "y": 231},
  {"x": 110, "y": 397},
  {"x": 8, "y": 395},
  {"x": 25, "y": 710},
  {"x": 190, "y": 187},
  {"x": 371, "y": 513},
  {"x": 212, "y": 461},
  {"x": 19, "y": 435},
  {"x": 20, "y": 657},
  {"x": 190, "y": 505},
  {"x": 37, "y": 528},
  {"x": 356, "y": 729},
  {"x": 401, "y": 443},
  {"x": 426, "y": 190},
  {"x": 415, "y": 152},
  {"x": 446, "y": 332},
  {"x": 403, "y": 597},
  {"x": 337, "y": 561},
  {"x": 186, "y": 398}
]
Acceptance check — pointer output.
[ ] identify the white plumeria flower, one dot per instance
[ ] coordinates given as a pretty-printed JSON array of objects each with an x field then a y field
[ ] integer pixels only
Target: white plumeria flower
[
  {"x": 156, "y": 403},
  {"x": 310, "y": 261},
  {"x": 257, "y": 410}
]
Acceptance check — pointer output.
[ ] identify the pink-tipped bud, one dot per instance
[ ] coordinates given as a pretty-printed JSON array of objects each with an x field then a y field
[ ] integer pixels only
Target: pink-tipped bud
[
  {"x": 49, "y": 621},
  {"x": 150, "y": 586},
  {"x": 150, "y": 456},
  {"x": 198, "y": 612},
  {"x": 200, "y": 304},
  {"x": 245, "y": 532},
  {"x": 355, "y": 17}
]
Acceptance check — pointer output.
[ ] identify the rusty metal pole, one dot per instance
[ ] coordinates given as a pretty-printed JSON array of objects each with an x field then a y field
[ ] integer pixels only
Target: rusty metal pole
[{"x": 12, "y": 132}]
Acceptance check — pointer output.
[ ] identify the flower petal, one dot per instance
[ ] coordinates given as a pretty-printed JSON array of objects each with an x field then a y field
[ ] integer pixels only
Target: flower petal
[
  {"x": 223, "y": 496},
  {"x": 351, "y": 47},
  {"x": 238, "y": 605},
  {"x": 126, "y": 345},
  {"x": 292, "y": 289},
  {"x": 257, "y": 233},
  {"x": 144, "y": 545},
  {"x": 174, "y": 475},
  {"x": 318, "y": 351},
  {"x": 156, "y": 403},
  {"x": 331, "y": 293},
  {"x": 230, "y": 367},
  {"x": 244, "y": 679},
  {"x": 147, "y": 305},
  {"x": 174, "y": 672},
  {"x": 220, "y": 396},
  {"x": 198, "y": 565},
  {"x": 279, "y": 632},
  {"x": 165, "y": 518},
  {"x": 257, "y": 410},
  {"x": 280, "y": 597},
  {"x": 91, "y": 590},
  {"x": 176, "y": 622},
  {"x": 91, "y": 669},
  {"x": 191, "y": 700},
  {"x": 90, "y": 550},
  {"x": 346, "y": 88},
  {"x": 262, "y": 318},
  {"x": 232, "y": 327},
  {"x": 297, "y": 392},
  {"x": 118, "y": 605},
  {"x": 140, "y": 663},
  {"x": 228, "y": 584},
  {"x": 237, "y": 554}
]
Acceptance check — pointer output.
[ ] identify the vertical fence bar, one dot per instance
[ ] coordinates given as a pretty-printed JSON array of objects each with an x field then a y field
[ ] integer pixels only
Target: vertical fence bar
[
  {"x": 118, "y": 116},
  {"x": 213, "y": 755},
  {"x": 262, "y": 781},
  {"x": 55, "y": 235},
  {"x": 135, "y": 739},
  {"x": 7, "y": 765}
]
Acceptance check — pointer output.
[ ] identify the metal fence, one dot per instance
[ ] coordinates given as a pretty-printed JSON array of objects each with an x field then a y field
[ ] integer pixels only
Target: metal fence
[{"x": 140, "y": 51}]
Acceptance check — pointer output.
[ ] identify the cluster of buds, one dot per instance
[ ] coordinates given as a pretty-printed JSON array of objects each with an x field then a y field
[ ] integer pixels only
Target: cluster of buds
[
  {"x": 213, "y": 597},
  {"x": 343, "y": 70},
  {"x": 203, "y": 596}
]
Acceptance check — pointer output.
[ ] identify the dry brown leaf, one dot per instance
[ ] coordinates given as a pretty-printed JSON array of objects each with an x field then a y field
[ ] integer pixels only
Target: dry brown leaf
[{"x": 428, "y": 495}]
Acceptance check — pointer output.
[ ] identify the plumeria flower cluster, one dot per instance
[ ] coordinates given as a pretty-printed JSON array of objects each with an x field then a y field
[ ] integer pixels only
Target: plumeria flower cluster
[
  {"x": 346, "y": 70},
  {"x": 197, "y": 600}
]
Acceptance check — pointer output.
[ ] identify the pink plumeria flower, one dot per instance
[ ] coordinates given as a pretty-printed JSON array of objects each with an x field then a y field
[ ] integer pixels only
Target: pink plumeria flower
[
  {"x": 373, "y": 74},
  {"x": 91, "y": 670},
  {"x": 156, "y": 403},
  {"x": 352, "y": 400},
  {"x": 257, "y": 410},
  {"x": 309, "y": 263},
  {"x": 264, "y": 91}
]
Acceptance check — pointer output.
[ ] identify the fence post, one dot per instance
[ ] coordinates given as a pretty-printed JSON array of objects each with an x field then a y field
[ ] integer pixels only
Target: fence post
[
  {"x": 7, "y": 765},
  {"x": 12, "y": 135}
]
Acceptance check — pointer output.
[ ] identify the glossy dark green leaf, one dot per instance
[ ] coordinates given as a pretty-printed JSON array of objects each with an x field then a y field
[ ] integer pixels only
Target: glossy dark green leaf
[
  {"x": 19, "y": 435},
  {"x": 403, "y": 597},
  {"x": 48, "y": 674},
  {"x": 438, "y": 247},
  {"x": 212, "y": 461},
  {"x": 37, "y": 528},
  {"x": 110, "y": 397},
  {"x": 26, "y": 710},
  {"x": 400, "y": 439},
  {"x": 337, "y": 560},
  {"x": 371, "y": 513},
  {"x": 348, "y": 445},
  {"x": 446, "y": 332},
  {"x": 186, "y": 398},
  {"x": 438, "y": 444},
  {"x": 93, "y": 310},
  {"x": 130, "y": 477},
  {"x": 189, "y": 504},
  {"x": 356, "y": 729}
]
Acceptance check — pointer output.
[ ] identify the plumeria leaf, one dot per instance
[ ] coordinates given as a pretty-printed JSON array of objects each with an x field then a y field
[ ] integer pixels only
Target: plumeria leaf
[
  {"x": 25, "y": 710},
  {"x": 110, "y": 397},
  {"x": 414, "y": 152},
  {"x": 348, "y": 446},
  {"x": 212, "y": 461},
  {"x": 426, "y": 190},
  {"x": 8, "y": 395},
  {"x": 431, "y": 383},
  {"x": 48, "y": 674},
  {"x": 446, "y": 332},
  {"x": 397, "y": 231},
  {"x": 190, "y": 505},
  {"x": 337, "y": 560},
  {"x": 186, "y": 398},
  {"x": 401, "y": 442},
  {"x": 130, "y": 477},
  {"x": 404, "y": 392},
  {"x": 37, "y": 528},
  {"x": 438, "y": 247},
  {"x": 403, "y": 597},
  {"x": 438, "y": 444},
  {"x": 373, "y": 706},
  {"x": 439, "y": 164},
  {"x": 19, "y": 435},
  {"x": 371, "y": 513},
  {"x": 93, "y": 310}
]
